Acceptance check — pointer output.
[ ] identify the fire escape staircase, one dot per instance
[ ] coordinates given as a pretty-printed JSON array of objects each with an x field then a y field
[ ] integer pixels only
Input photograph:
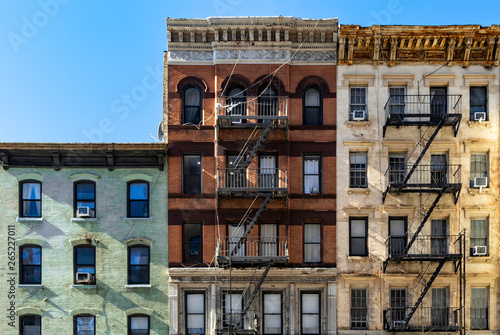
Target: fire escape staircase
[{"x": 249, "y": 151}]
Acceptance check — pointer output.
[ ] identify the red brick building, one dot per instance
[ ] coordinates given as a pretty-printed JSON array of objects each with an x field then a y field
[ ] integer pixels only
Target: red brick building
[{"x": 250, "y": 113}]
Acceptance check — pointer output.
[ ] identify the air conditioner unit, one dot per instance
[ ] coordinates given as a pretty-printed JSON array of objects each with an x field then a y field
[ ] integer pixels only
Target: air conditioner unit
[
  {"x": 480, "y": 182},
  {"x": 84, "y": 278},
  {"x": 359, "y": 115},
  {"x": 398, "y": 323},
  {"x": 480, "y": 250},
  {"x": 314, "y": 190},
  {"x": 479, "y": 116},
  {"x": 83, "y": 211}
]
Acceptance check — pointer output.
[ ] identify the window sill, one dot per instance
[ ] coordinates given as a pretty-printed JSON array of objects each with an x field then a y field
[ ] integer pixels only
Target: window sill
[
  {"x": 25, "y": 219},
  {"x": 138, "y": 219},
  {"x": 358, "y": 258},
  {"x": 479, "y": 259},
  {"x": 358, "y": 191},
  {"x": 486, "y": 124},
  {"x": 92, "y": 286},
  {"x": 30, "y": 286},
  {"x": 351, "y": 124},
  {"x": 138, "y": 285},
  {"x": 84, "y": 220},
  {"x": 475, "y": 191}
]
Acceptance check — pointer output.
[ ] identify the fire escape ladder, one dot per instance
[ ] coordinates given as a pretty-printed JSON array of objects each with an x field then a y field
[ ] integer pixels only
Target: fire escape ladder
[
  {"x": 424, "y": 292},
  {"x": 424, "y": 220},
  {"x": 255, "y": 148},
  {"x": 249, "y": 299},
  {"x": 424, "y": 150},
  {"x": 251, "y": 223}
]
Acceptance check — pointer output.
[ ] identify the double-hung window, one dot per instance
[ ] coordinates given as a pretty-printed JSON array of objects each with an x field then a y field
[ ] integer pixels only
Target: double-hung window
[
  {"x": 358, "y": 237},
  {"x": 397, "y": 102},
  {"x": 232, "y": 304},
  {"x": 84, "y": 202},
  {"x": 272, "y": 313},
  {"x": 398, "y": 306},
  {"x": 478, "y": 103},
  {"x": 138, "y": 264},
  {"x": 30, "y": 325},
  {"x": 312, "y": 114},
  {"x": 191, "y": 235},
  {"x": 312, "y": 243},
  {"x": 236, "y": 104},
  {"x": 31, "y": 264},
  {"x": 312, "y": 174},
  {"x": 397, "y": 168},
  {"x": 138, "y": 324},
  {"x": 191, "y": 105},
  {"x": 479, "y": 308},
  {"x": 30, "y": 199},
  {"x": 310, "y": 303},
  {"x": 479, "y": 237},
  {"x": 358, "y": 110},
  {"x": 191, "y": 174},
  {"x": 138, "y": 199},
  {"x": 479, "y": 169},
  {"x": 359, "y": 310},
  {"x": 440, "y": 310},
  {"x": 84, "y": 324},
  {"x": 195, "y": 313},
  {"x": 84, "y": 265},
  {"x": 358, "y": 170}
]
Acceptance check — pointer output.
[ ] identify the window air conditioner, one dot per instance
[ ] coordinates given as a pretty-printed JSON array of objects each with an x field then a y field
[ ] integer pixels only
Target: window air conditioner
[
  {"x": 84, "y": 278},
  {"x": 314, "y": 190},
  {"x": 359, "y": 115},
  {"x": 479, "y": 116},
  {"x": 83, "y": 211},
  {"x": 480, "y": 182},
  {"x": 480, "y": 250}
]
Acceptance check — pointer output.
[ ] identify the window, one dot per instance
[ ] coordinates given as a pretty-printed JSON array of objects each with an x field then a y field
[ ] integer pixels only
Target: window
[
  {"x": 191, "y": 174},
  {"x": 138, "y": 324},
  {"x": 30, "y": 325},
  {"x": 397, "y": 100},
  {"x": 84, "y": 197},
  {"x": 84, "y": 324},
  {"x": 192, "y": 242},
  {"x": 312, "y": 174},
  {"x": 439, "y": 169},
  {"x": 479, "y": 237},
  {"x": 478, "y": 102},
  {"x": 235, "y": 174},
  {"x": 31, "y": 264},
  {"x": 397, "y": 168},
  {"x": 236, "y": 103},
  {"x": 479, "y": 308},
  {"x": 267, "y": 102},
  {"x": 358, "y": 161},
  {"x": 138, "y": 199},
  {"x": 312, "y": 243},
  {"x": 84, "y": 265},
  {"x": 272, "y": 318},
  {"x": 235, "y": 232},
  {"x": 191, "y": 105},
  {"x": 358, "y": 237},
  {"x": 439, "y": 237},
  {"x": 312, "y": 113},
  {"x": 138, "y": 265},
  {"x": 31, "y": 199},
  {"x": 398, "y": 306},
  {"x": 232, "y": 304},
  {"x": 398, "y": 235},
  {"x": 440, "y": 308},
  {"x": 439, "y": 101},
  {"x": 310, "y": 303},
  {"x": 478, "y": 167},
  {"x": 358, "y": 110},
  {"x": 195, "y": 313},
  {"x": 359, "y": 312},
  {"x": 268, "y": 239},
  {"x": 268, "y": 177}
]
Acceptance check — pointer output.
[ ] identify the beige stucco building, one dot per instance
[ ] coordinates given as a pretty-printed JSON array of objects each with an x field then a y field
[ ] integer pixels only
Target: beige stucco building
[{"x": 417, "y": 186}]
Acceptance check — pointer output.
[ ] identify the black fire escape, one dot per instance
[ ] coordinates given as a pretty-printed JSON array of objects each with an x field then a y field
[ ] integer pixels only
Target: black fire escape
[
  {"x": 430, "y": 113},
  {"x": 240, "y": 249}
]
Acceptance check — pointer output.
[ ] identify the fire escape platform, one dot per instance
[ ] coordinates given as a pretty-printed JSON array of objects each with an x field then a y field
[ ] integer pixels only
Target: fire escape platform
[
  {"x": 242, "y": 192},
  {"x": 240, "y": 122},
  {"x": 420, "y": 120}
]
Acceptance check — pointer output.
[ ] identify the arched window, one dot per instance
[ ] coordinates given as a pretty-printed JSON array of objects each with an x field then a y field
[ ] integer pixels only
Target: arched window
[
  {"x": 312, "y": 106},
  {"x": 30, "y": 199},
  {"x": 138, "y": 324},
  {"x": 138, "y": 199},
  {"x": 268, "y": 102},
  {"x": 138, "y": 264},
  {"x": 30, "y": 324},
  {"x": 236, "y": 103},
  {"x": 31, "y": 264},
  {"x": 191, "y": 105},
  {"x": 84, "y": 265},
  {"x": 84, "y": 324},
  {"x": 84, "y": 199}
]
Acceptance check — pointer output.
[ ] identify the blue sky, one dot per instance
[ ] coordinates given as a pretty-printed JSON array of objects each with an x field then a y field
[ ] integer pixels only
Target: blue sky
[{"x": 90, "y": 71}]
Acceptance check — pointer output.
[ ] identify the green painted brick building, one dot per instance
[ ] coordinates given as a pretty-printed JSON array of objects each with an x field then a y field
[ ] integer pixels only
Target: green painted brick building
[{"x": 83, "y": 229}]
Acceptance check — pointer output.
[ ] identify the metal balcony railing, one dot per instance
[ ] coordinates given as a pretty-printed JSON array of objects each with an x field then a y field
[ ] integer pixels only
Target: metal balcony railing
[
  {"x": 424, "y": 176},
  {"x": 425, "y": 247},
  {"x": 418, "y": 106},
  {"x": 426, "y": 319},
  {"x": 235, "y": 180},
  {"x": 253, "y": 249},
  {"x": 249, "y": 111}
]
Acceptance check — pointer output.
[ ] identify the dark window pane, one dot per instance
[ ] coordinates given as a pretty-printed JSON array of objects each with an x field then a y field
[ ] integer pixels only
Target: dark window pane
[
  {"x": 192, "y": 174},
  {"x": 32, "y": 275},
  {"x": 138, "y": 209},
  {"x": 139, "y": 274},
  {"x": 32, "y": 255},
  {"x": 139, "y": 256},
  {"x": 85, "y": 256},
  {"x": 192, "y": 242},
  {"x": 85, "y": 191},
  {"x": 31, "y": 325}
]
